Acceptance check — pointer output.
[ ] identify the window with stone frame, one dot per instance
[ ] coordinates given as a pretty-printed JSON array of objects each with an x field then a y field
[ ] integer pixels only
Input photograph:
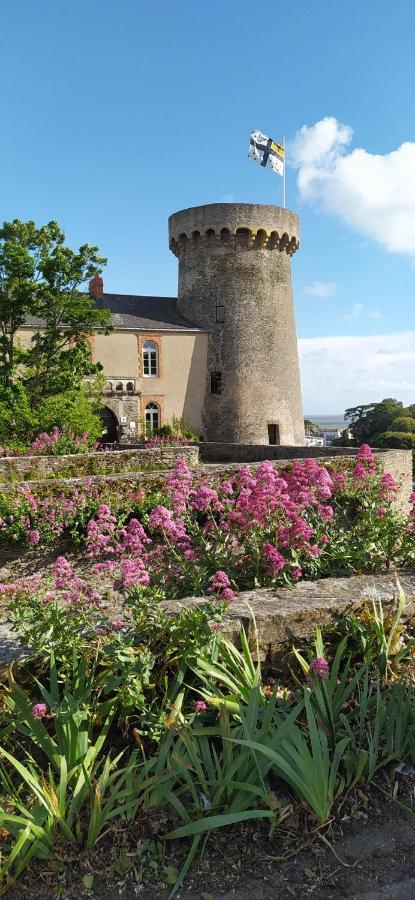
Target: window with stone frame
[
  {"x": 151, "y": 417},
  {"x": 150, "y": 359}
]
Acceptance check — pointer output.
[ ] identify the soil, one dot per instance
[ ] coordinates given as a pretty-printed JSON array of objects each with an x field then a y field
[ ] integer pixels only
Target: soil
[{"x": 366, "y": 852}]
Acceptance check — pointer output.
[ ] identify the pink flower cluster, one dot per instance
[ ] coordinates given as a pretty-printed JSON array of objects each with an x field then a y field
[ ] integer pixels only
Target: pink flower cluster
[
  {"x": 213, "y": 535},
  {"x": 320, "y": 668}
]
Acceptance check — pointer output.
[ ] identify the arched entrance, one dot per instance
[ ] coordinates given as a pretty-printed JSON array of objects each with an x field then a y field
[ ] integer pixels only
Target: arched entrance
[{"x": 109, "y": 426}]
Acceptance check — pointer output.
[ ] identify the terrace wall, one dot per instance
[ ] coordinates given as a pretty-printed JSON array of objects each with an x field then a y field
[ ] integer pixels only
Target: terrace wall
[
  {"x": 284, "y": 616},
  {"x": 38, "y": 468}
]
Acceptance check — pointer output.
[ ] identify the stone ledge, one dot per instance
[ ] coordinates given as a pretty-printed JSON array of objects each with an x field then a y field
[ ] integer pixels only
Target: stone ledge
[
  {"x": 292, "y": 614},
  {"x": 283, "y": 614}
]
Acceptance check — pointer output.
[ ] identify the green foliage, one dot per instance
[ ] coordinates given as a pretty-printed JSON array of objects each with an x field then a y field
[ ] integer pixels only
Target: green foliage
[
  {"x": 18, "y": 420},
  {"x": 397, "y": 440},
  {"x": 42, "y": 278},
  {"x": 64, "y": 772},
  {"x": 62, "y": 783},
  {"x": 403, "y": 423},
  {"x": 372, "y": 418},
  {"x": 385, "y": 424},
  {"x": 72, "y": 411}
]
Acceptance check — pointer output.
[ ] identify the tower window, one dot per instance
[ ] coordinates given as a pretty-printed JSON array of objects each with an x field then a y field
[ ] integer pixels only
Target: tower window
[
  {"x": 150, "y": 359},
  {"x": 216, "y": 382},
  {"x": 152, "y": 417},
  {"x": 220, "y": 312}
]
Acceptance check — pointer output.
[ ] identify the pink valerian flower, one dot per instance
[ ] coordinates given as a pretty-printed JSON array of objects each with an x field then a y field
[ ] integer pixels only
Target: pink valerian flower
[
  {"x": 227, "y": 594},
  {"x": 366, "y": 456},
  {"x": 296, "y": 574},
  {"x": 133, "y": 573},
  {"x": 388, "y": 486},
  {"x": 63, "y": 572},
  {"x": 100, "y": 533},
  {"x": 216, "y": 626},
  {"x": 381, "y": 511},
  {"x": 27, "y": 585},
  {"x": 178, "y": 486},
  {"x": 200, "y": 706},
  {"x": 360, "y": 472},
  {"x": 39, "y": 710},
  {"x": 34, "y": 536},
  {"x": 174, "y": 530},
  {"x": 203, "y": 498},
  {"x": 273, "y": 559},
  {"x": 326, "y": 513},
  {"x": 297, "y": 535},
  {"x": 412, "y": 498},
  {"x": 117, "y": 624},
  {"x": 219, "y": 583},
  {"x": 320, "y": 668},
  {"x": 45, "y": 441},
  {"x": 74, "y": 589}
]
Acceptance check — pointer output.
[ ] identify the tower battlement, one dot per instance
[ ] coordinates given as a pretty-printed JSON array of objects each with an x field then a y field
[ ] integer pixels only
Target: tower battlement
[{"x": 236, "y": 225}]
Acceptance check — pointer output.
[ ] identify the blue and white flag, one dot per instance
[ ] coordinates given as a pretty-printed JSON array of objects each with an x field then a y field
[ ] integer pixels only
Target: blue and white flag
[{"x": 266, "y": 152}]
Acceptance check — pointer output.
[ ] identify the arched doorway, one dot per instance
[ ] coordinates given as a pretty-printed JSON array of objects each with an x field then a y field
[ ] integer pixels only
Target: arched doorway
[{"x": 109, "y": 426}]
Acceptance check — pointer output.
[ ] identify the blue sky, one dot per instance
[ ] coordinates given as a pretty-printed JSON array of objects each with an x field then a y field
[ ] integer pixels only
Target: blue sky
[{"x": 115, "y": 114}]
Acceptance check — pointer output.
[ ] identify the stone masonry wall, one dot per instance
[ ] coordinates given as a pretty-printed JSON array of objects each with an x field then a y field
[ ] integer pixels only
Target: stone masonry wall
[
  {"x": 36, "y": 468},
  {"x": 235, "y": 280},
  {"x": 135, "y": 465},
  {"x": 290, "y": 615}
]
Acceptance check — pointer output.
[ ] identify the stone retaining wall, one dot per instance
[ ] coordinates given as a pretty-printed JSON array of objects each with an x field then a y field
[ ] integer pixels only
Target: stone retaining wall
[
  {"x": 37, "y": 468},
  {"x": 292, "y": 614},
  {"x": 136, "y": 465},
  {"x": 284, "y": 615},
  {"x": 225, "y": 458}
]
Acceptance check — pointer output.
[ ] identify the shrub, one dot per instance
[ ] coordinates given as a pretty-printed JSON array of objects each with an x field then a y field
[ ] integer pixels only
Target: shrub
[
  {"x": 396, "y": 439},
  {"x": 403, "y": 423}
]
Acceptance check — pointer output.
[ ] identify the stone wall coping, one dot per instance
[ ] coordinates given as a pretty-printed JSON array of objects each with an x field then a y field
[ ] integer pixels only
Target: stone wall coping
[{"x": 290, "y": 615}]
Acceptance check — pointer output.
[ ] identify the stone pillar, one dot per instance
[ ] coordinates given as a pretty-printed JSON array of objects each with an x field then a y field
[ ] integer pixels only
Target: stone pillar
[{"x": 235, "y": 280}]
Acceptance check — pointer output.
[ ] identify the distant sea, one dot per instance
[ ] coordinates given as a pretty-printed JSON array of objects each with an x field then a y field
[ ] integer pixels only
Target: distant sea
[{"x": 335, "y": 421}]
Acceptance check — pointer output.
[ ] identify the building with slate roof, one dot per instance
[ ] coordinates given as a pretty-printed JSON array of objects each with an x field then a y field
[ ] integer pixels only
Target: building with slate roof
[{"x": 223, "y": 356}]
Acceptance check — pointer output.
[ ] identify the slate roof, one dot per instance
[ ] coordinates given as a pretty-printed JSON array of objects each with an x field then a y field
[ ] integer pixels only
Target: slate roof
[{"x": 136, "y": 313}]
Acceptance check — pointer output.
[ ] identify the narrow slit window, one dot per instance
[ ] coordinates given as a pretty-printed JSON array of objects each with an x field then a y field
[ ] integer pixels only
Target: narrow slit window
[
  {"x": 216, "y": 382},
  {"x": 220, "y": 312}
]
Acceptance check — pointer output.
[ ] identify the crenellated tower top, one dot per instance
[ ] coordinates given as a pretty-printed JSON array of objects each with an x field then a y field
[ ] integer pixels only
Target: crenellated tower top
[{"x": 238, "y": 225}]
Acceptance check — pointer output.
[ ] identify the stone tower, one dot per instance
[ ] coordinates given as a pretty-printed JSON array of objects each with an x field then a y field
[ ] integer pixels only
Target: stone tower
[{"x": 235, "y": 280}]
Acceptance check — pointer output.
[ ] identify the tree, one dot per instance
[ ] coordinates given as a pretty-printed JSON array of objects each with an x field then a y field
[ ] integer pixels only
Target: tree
[
  {"x": 42, "y": 283},
  {"x": 368, "y": 420},
  {"x": 41, "y": 278}
]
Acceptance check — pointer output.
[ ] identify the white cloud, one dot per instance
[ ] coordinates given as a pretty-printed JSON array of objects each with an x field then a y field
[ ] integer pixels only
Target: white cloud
[
  {"x": 320, "y": 289},
  {"x": 373, "y": 193},
  {"x": 359, "y": 311},
  {"x": 356, "y": 313},
  {"x": 338, "y": 372}
]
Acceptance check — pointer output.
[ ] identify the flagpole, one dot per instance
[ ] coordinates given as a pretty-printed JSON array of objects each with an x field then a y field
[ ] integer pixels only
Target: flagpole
[{"x": 283, "y": 175}]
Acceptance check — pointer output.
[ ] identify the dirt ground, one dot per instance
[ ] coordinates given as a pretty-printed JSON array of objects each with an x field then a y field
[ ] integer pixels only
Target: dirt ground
[{"x": 366, "y": 852}]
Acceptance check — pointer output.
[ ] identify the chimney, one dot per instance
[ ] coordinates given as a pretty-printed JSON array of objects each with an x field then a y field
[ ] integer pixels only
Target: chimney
[{"x": 96, "y": 288}]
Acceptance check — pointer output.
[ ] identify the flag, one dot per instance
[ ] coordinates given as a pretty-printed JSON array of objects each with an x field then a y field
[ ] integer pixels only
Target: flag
[{"x": 266, "y": 151}]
